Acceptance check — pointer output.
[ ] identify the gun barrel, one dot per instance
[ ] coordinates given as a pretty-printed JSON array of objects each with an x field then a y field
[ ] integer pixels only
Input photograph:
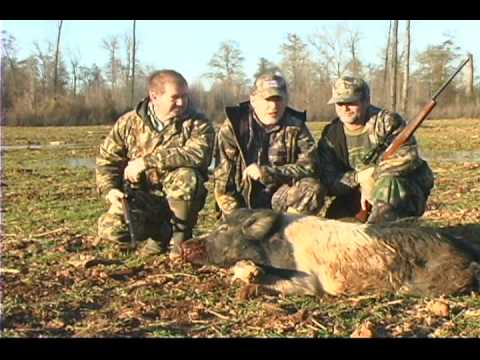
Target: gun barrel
[
  {"x": 439, "y": 91},
  {"x": 412, "y": 126}
]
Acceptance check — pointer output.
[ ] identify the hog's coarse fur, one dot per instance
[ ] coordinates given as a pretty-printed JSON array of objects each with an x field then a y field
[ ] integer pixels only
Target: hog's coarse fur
[{"x": 310, "y": 255}]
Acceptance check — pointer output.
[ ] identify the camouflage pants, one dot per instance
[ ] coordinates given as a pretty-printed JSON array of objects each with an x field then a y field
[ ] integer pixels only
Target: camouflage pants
[
  {"x": 405, "y": 196},
  {"x": 150, "y": 212},
  {"x": 306, "y": 196}
]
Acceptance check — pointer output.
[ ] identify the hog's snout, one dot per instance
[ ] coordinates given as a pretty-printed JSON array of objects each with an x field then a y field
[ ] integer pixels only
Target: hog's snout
[{"x": 194, "y": 251}]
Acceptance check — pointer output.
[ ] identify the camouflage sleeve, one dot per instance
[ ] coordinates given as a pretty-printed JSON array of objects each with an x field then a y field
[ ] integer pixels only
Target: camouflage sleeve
[
  {"x": 304, "y": 151},
  {"x": 406, "y": 158},
  {"x": 196, "y": 153},
  {"x": 332, "y": 174},
  {"x": 112, "y": 158},
  {"x": 225, "y": 174}
]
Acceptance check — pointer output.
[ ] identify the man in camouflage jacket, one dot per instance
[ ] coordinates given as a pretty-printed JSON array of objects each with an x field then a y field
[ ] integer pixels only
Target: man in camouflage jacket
[
  {"x": 163, "y": 148},
  {"x": 398, "y": 187},
  {"x": 266, "y": 157}
]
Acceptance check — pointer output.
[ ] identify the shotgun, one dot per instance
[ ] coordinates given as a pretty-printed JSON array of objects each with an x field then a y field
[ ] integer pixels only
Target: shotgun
[
  {"x": 127, "y": 212},
  {"x": 390, "y": 146}
]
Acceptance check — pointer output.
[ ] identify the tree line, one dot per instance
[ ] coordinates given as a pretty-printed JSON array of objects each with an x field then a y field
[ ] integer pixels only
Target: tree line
[{"x": 53, "y": 87}]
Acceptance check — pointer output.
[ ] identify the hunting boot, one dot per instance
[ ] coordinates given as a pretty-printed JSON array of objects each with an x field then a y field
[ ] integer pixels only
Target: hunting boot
[
  {"x": 182, "y": 223},
  {"x": 382, "y": 212}
]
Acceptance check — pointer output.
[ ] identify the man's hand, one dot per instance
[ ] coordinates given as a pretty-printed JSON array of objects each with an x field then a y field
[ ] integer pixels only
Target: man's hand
[
  {"x": 366, "y": 181},
  {"x": 134, "y": 169},
  {"x": 253, "y": 172},
  {"x": 114, "y": 197},
  {"x": 365, "y": 175}
]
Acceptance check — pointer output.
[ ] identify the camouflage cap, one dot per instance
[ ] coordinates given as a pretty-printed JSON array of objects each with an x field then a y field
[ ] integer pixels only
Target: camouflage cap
[
  {"x": 349, "y": 89},
  {"x": 267, "y": 85}
]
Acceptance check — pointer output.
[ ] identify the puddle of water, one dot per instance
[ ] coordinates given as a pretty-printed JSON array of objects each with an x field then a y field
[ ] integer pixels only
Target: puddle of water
[
  {"x": 85, "y": 162},
  {"x": 74, "y": 163},
  {"x": 40, "y": 147},
  {"x": 454, "y": 156},
  {"x": 68, "y": 162}
]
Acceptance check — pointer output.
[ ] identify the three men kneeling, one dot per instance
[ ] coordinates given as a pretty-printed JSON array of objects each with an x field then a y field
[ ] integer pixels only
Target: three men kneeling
[{"x": 265, "y": 158}]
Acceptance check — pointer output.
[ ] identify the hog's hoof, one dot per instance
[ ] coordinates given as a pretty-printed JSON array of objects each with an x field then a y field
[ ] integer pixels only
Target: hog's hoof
[
  {"x": 246, "y": 271},
  {"x": 175, "y": 254},
  {"x": 249, "y": 291}
]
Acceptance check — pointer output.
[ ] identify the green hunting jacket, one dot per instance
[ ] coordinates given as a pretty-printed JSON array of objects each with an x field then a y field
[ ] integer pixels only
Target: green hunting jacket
[
  {"x": 338, "y": 175},
  {"x": 184, "y": 141},
  {"x": 291, "y": 155}
]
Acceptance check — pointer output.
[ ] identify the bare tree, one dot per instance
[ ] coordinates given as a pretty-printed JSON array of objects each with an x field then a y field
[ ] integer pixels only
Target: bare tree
[
  {"x": 44, "y": 66},
  {"x": 9, "y": 53},
  {"x": 298, "y": 68},
  {"x": 112, "y": 45},
  {"x": 387, "y": 52},
  {"x": 393, "y": 73},
  {"x": 127, "y": 38},
  {"x": 330, "y": 47},
  {"x": 470, "y": 91},
  {"x": 265, "y": 65},
  {"x": 134, "y": 46},
  {"x": 75, "y": 64},
  {"x": 355, "y": 66},
  {"x": 226, "y": 68},
  {"x": 227, "y": 63},
  {"x": 435, "y": 64},
  {"x": 406, "y": 72},
  {"x": 55, "y": 76}
]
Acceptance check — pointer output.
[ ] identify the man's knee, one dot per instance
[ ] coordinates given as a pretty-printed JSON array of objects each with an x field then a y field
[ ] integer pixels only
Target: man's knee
[
  {"x": 403, "y": 195},
  {"x": 306, "y": 196},
  {"x": 184, "y": 184}
]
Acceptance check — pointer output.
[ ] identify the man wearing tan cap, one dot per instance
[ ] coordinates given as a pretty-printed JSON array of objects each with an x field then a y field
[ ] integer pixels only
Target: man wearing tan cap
[
  {"x": 266, "y": 157},
  {"x": 396, "y": 188}
]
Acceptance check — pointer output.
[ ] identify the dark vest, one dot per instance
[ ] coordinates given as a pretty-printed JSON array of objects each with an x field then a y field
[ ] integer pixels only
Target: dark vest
[
  {"x": 335, "y": 133},
  {"x": 239, "y": 118}
]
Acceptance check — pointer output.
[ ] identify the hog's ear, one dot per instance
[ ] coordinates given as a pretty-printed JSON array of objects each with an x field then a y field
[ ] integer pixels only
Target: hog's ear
[{"x": 259, "y": 224}]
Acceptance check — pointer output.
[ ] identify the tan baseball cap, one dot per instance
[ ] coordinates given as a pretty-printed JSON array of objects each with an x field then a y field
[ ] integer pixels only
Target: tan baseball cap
[
  {"x": 267, "y": 85},
  {"x": 349, "y": 89}
]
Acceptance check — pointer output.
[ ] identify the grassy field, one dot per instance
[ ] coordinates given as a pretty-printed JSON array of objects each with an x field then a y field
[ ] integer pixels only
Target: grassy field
[{"x": 58, "y": 280}]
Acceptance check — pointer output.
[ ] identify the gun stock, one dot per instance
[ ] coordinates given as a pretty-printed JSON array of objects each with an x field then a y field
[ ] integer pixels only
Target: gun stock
[{"x": 408, "y": 130}]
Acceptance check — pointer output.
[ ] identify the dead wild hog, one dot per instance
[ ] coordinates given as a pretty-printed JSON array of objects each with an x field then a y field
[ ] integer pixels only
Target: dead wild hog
[{"x": 309, "y": 255}]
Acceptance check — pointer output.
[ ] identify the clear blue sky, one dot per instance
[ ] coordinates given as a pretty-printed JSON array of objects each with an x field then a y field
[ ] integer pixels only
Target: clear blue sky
[{"x": 187, "y": 46}]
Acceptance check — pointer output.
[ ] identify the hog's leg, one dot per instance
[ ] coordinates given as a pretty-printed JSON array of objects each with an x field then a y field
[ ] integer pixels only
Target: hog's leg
[
  {"x": 475, "y": 267},
  {"x": 289, "y": 282}
]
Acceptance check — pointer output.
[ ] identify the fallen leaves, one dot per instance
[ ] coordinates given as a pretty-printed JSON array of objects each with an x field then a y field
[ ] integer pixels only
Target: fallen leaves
[
  {"x": 9, "y": 271},
  {"x": 471, "y": 166},
  {"x": 364, "y": 330},
  {"x": 56, "y": 324},
  {"x": 439, "y": 308},
  {"x": 80, "y": 260}
]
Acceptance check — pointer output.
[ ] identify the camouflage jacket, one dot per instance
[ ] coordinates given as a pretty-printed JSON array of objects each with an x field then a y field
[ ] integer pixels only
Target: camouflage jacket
[
  {"x": 185, "y": 141},
  {"x": 382, "y": 125},
  {"x": 291, "y": 155}
]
